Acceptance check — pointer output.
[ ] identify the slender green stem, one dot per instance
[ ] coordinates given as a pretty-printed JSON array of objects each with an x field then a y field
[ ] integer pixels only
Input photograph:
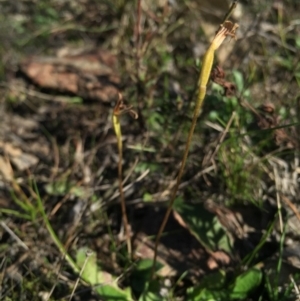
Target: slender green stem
[{"x": 52, "y": 233}]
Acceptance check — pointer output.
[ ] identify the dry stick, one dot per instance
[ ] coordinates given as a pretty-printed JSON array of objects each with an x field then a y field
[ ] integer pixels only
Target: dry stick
[
  {"x": 291, "y": 205},
  {"x": 225, "y": 29},
  {"x": 14, "y": 236},
  {"x": 137, "y": 38}
]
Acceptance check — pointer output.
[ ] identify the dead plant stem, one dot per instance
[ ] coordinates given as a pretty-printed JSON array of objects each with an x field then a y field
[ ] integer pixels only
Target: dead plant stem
[
  {"x": 225, "y": 29},
  {"x": 137, "y": 34},
  {"x": 118, "y": 110}
]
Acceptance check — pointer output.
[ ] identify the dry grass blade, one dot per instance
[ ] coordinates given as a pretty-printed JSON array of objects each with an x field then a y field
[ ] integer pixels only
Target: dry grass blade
[{"x": 14, "y": 236}]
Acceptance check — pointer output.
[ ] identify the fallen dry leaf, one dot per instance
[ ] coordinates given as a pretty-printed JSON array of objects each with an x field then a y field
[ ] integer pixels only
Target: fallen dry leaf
[
  {"x": 88, "y": 75},
  {"x": 216, "y": 258},
  {"x": 5, "y": 169},
  {"x": 20, "y": 159}
]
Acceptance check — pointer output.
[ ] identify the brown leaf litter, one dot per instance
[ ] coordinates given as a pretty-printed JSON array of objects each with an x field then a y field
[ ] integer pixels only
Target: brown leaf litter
[{"x": 17, "y": 151}]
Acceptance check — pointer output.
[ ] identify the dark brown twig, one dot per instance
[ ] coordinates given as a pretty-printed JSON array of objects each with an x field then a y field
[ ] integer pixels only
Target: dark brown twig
[{"x": 137, "y": 34}]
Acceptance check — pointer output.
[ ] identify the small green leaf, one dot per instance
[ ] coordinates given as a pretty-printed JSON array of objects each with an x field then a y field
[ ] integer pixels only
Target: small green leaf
[
  {"x": 147, "y": 197},
  {"x": 239, "y": 80},
  {"x": 214, "y": 115}
]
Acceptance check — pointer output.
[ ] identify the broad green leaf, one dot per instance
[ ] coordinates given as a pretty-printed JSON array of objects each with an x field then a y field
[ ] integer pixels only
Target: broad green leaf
[
  {"x": 243, "y": 285},
  {"x": 113, "y": 293},
  {"x": 246, "y": 283},
  {"x": 145, "y": 265},
  {"x": 204, "y": 225},
  {"x": 90, "y": 274}
]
